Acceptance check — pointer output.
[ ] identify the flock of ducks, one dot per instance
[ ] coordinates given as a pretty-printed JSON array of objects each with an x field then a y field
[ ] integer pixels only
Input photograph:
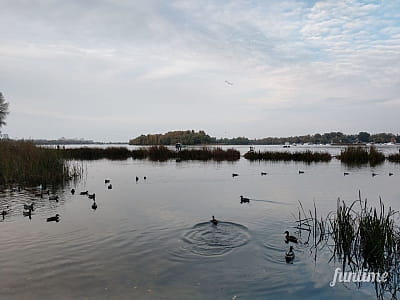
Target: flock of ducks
[
  {"x": 289, "y": 256},
  {"x": 40, "y": 191},
  {"x": 302, "y": 172}
]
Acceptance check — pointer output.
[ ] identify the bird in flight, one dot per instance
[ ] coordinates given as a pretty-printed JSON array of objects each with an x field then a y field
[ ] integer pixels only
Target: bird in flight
[{"x": 228, "y": 82}]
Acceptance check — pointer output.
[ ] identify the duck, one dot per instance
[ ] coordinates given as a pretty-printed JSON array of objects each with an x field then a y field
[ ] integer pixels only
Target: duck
[
  {"x": 15, "y": 189},
  {"x": 144, "y": 177},
  {"x": 28, "y": 206},
  {"x": 345, "y": 173},
  {"x": 290, "y": 238},
  {"x": 94, "y": 205},
  {"x": 4, "y": 212},
  {"x": 374, "y": 174},
  {"x": 53, "y": 197},
  {"x": 72, "y": 191},
  {"x": 84, "y": 193},
  {"x": 263, "y": 173},
  {"x": 301, "y": 172},
  {"x": 109, "y": 186},
  {"x": 214, "y": 221},
  {"x": 289, "y": 256},
  {"x": 137, "y": 179},
  {"x": 390, "y": 174},
  {"x": 92, "y": 196},
  {"x": 235, "y": 174},
  {"x": 27, "y": 213},
  {"x": 244, "y": 200},
  {"x": 106, "y": 181},
  {"x": 56, "y": 218}
]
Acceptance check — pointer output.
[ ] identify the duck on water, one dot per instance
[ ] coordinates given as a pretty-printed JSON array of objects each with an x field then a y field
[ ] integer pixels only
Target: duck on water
[{"x": 214, "y": 221}]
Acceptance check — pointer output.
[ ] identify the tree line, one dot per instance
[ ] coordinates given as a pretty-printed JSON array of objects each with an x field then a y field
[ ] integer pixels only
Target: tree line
[{"x": 191, "y": 137}]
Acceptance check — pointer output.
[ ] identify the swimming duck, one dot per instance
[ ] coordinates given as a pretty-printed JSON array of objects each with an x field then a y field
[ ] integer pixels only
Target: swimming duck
[
  {"x": 110, "y": 186},
  {"x": 15, "y": 189},
  {"x": 390, "y": 174},
  {"x": 290, "y": 238},
  {"x": 289, "y": 256},
  {"x": 106, "y": 181},
  {"x": 301, "y": 172},
  {"x": 137, "y": 179},
  {"x": 27, "y": 213},
  {"x": 263, "y": 173},
  {"x": 56, "y": 218},
  {"x": 345, "y": 173},
  {"x": 28, "y": 206},
  {"x": 235, "y": 174},
  {"x": 214, "y": 221},
  {"x": 144, "y": 177},
  {"x": 53, "y": 197},
  {"x": 92, "y": 196},
  {"x": 374, "y": 174},
  {"x": 84, "y": 193},
  {"x": 72, "y": 191},
  {"x": 94, "y": 205},
  {"x": 244, "y": 200},
  {"x": 39, "y": 194}
]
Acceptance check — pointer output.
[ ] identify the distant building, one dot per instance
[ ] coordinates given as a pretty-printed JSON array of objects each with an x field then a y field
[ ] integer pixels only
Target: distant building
[{"x": 4, "y": 136}]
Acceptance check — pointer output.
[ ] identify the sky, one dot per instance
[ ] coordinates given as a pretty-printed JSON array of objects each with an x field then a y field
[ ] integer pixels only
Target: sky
[{"x": 110, "y": 70}]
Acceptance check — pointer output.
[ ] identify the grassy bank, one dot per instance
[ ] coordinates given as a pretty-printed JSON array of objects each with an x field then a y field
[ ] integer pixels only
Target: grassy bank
[
  {"x": 361, "y": 155},
  {"x": 360, "y": 237},
  {"x": 24, "y": 163},
  {"x": 306, "y": 156},
  {"x": 155, "y": 153}
]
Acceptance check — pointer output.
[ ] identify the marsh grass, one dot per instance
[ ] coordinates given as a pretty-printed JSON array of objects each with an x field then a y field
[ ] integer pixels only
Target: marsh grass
[
  {"x": 359, "y": 237},
  {"x": 154, "y": 153},
  {"x": 361, "y": 155},
  {"x": 24, "y": 163},
  {"x": 394, "y": 158},
  {"x": 306, "y": 156}
]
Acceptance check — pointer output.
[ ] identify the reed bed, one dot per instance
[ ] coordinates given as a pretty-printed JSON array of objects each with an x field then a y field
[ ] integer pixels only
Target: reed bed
[
  {"x": 361, "y": 155},
  {"x": 394, "y": 158},
  {"x": 88, "y": 153},
  {"x": 360, "y": 237},
  {"x": 305, "y": 156},
  {"x": 23, "y": 163},
  {"x": 154, "y": 153}
]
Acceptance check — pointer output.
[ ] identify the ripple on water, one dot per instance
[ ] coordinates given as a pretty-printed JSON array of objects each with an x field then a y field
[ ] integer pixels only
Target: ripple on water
[{"x": 207, "y": 240}]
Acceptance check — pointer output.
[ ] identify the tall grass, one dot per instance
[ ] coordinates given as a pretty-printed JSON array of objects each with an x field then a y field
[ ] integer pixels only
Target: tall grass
[
  {"x": 155, "y": 153},
  {"x": 24, "y": 163},
  {"x": 306, "y": 156},
  {"x": 360, "y": 238},
  {"x": 360, "y": 155}
]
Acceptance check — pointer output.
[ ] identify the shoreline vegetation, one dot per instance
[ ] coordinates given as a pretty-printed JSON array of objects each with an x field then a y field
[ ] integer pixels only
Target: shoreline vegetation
[
  {"x": 360, "y": 237},
  {"x": 154, "y": 153},
  {"x": 191, "y": 137},
  {"x": 25, "y": 163},
  {"x": 306, "y": 156}
]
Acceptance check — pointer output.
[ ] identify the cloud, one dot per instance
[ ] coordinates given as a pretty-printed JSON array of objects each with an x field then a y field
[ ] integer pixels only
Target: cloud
[{"x": 164, "y": 64}]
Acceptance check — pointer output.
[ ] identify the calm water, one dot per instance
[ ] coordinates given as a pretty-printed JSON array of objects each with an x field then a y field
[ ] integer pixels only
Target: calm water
[{"x": 151, "y": 239}]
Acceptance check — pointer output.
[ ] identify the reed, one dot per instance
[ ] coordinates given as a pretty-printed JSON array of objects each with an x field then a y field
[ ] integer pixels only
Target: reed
[
  {"x": 305, "y": 156},
  {"x": 24, "y": 163},
  {"x": 360, "y": 238},
  {"x": 394, "y": 158},
  {"x": 361, "y": 155},
  {"x": 88, "y": 153},
  {"x": 154, "y": 153}
]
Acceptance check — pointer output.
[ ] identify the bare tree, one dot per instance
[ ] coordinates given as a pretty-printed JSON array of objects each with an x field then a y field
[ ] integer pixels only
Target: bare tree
[{"x": 3, "y": 110}]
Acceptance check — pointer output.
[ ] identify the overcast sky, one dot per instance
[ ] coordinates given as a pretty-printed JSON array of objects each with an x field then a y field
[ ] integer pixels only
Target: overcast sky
[{"x": 113, "y": 69}]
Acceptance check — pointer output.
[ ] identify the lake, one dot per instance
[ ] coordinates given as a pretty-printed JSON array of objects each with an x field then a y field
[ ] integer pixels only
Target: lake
[{"x": 152, "y": 239}]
